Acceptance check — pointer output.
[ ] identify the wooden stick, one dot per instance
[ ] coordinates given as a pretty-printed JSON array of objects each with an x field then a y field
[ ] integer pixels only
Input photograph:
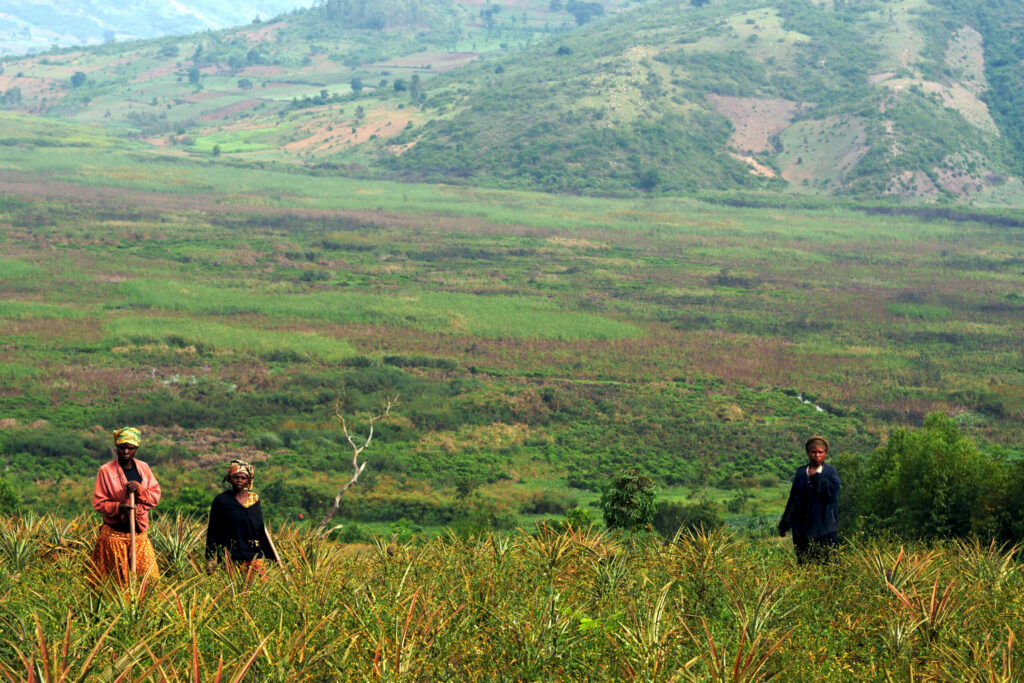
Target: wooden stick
[
  {"x": 273, "y": 549},
  {"x": 270, "y": 542},
  {"x": 131, "y": 529}
]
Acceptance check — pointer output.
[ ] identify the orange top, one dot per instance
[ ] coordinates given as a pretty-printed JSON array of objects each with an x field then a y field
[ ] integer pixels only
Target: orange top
[{"x": 110, "y": 492}]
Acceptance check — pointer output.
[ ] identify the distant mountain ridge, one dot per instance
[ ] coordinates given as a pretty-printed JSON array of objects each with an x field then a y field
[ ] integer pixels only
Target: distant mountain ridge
[
  {"x": 901, "y": 100},
  {"x": 39, "y": 24}
]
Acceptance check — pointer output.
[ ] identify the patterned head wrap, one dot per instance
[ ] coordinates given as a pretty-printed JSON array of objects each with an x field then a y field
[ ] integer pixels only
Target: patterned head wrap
[
  {"x": 128, "y": 435},
  {"x": 816, "y": 439},
  {"x": 241, "y": 466}
]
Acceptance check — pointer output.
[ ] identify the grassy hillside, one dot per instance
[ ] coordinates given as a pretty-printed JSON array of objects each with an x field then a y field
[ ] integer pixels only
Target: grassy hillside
[
  {"x": 308, "y": 87},
  {"x": 860, "y": 98},
  {"x": 538, "y": 343},
  {"x": 912, "y": 99}
]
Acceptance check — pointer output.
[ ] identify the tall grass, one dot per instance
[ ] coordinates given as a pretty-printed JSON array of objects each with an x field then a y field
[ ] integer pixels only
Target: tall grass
[
  {"x": 579, "y": 605},
  {"x": 26, "y": 310},
  {"x": 183, "y": 332},
  {"x": 485, "y": 316},
  {"x": 11, "y": 269}
]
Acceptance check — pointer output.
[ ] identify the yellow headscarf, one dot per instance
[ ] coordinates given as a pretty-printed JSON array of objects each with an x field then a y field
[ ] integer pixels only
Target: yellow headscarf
[{"x": 128, "y": 435}]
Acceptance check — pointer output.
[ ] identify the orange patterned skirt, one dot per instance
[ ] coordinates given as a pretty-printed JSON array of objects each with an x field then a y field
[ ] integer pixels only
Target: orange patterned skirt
[
  {"x": 110, "y": 557},
  {"x": 253, "y": 569}
]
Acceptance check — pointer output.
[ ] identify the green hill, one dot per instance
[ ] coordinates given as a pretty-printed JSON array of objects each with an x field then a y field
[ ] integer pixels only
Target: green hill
[
  {"x": 910, "y": 99},
  {"x": 856, "y": 98}
]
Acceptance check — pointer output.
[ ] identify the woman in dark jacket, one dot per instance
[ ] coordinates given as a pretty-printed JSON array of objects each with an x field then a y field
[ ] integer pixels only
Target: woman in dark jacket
[
  {"x": 812, "y": 511},
  {"x": 236, "y": 528}
]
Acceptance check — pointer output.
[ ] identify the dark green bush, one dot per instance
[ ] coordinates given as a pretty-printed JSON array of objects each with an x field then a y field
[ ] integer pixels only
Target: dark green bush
[
  {"x": 670, "y": 517},
  {"x": 628, "y": 502},
  {"x": 548, "y": 503}
]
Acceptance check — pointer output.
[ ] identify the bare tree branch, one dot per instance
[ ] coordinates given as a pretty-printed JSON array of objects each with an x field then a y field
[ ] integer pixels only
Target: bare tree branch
[{"x": 357, "y": 467}]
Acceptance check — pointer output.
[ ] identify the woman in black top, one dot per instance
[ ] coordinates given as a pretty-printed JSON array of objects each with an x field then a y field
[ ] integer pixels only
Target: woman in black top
[{"x": 236, "y": 528}]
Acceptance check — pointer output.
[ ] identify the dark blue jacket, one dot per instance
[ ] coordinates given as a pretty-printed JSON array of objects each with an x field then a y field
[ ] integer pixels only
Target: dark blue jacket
[{"x": 813, "y": 506}]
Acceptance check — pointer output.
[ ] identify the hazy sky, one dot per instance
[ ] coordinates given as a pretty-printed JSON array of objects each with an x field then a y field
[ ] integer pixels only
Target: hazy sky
[{"x": 30, "y": 25}]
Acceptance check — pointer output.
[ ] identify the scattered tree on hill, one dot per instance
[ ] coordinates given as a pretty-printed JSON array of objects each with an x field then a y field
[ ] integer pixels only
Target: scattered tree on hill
[
  {"x": 356, "y": 84},
  {"x": 10, "y": 501},
  {"x": 193, "y": 76},
  {"x": 628, "y": 501},
  {"x": 78, "y": 79},
  {"x": 649, "y": 179},
  {"x": 11, "y": 97},
  {"x": 583, "y": 12},
  {"x": 415, "y": 91},
  {"x": 487, "y": 14},
  {"x": 357, "y": 466}
]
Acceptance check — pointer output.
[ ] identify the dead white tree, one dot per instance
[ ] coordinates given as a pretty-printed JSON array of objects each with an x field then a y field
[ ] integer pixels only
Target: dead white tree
[{"x": 358, "y": 467}]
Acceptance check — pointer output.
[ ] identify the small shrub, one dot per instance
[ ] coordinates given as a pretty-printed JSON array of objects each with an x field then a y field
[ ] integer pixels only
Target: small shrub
[
  {"x": 353, "y": 533},
  {"x": 629, "y": 501},
  {"x": 670, "y": 517},
  {"x": 549, "y": 503}
]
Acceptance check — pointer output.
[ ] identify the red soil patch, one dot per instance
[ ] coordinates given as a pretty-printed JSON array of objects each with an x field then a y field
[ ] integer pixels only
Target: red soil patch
[
  {"x": 320, "y": 65},
  {"x": 756, "y": 120},
  {"x": 263, "y": 33},
  {"x": 204, "y": 96},
  {"x": 262, "y": 71},
  {"x": 912, "y": 184},
  {"x": 155, "y": 73},
  {"x": 437, "y": 61},
  {"x": 34, "y": 88},
  {"x": 879, "y": 77},
  {"x": 321, "y": 140},
  {"x": 754, "y": 166},
  {"x": 224, "y": 112}
]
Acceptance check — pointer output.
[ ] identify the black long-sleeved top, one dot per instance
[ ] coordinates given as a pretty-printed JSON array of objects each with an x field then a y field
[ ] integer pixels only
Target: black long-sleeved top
[
  {"x": 813, "y": 506},
  {"x": 236, "y": 528}
]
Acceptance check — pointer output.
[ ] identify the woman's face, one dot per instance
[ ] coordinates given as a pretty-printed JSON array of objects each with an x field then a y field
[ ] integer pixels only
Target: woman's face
[
  {"x": 125, "y": 452},
  {"x": 239, "y": 480},
  {"x": 816, "y": 454}
]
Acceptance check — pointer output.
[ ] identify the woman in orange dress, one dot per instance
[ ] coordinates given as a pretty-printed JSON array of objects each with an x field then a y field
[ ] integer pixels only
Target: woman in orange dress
[{"x": 114, "y": 482}]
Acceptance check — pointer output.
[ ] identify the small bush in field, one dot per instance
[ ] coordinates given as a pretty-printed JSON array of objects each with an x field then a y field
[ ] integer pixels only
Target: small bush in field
[
  {"x": 353, "y": 533},
  {"x": 10, "y": 500},
  {"x": 549, "y": 503},
  {"x": 629, "y": 501},
  {"x": 670, "y": 517}
]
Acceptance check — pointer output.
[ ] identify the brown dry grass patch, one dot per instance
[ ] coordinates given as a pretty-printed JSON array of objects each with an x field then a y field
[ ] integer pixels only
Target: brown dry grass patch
[{"x": 756, "y": 120}]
